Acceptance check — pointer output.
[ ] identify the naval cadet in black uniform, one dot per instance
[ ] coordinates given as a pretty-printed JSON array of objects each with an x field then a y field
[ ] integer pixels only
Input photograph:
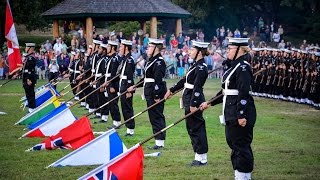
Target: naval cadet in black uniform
[
  {"x": 154, "y": 89},
  {"x": 29, "y": 77},
  {"x": 112, "y": 88},
  {"x": 193, "y": 96},
  {"x": 126, "y": 68},
  {"x": 239, "y": 112}
]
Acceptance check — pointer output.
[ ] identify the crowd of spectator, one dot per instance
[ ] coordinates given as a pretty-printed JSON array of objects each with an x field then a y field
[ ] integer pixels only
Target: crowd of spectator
[{"x": 175, "y": 51}]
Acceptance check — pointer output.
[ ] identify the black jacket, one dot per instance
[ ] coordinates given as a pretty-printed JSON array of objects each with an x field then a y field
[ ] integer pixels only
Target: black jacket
[
  {"x": 241, "y": 106},
  {"x": 29, "y": 69},
  {"x": 197, "y": 75},
  {"x": 155, "y": 69}
]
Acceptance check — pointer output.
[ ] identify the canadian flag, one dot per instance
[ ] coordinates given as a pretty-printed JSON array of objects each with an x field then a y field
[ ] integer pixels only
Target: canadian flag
[{"x": 14, "y": 56}]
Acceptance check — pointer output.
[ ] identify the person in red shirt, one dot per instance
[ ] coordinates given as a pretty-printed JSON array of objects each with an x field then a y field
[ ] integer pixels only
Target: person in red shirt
[{"x": 173, "y": 42}]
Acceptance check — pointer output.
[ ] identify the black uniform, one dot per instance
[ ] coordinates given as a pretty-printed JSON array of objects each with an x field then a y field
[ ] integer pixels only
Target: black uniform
[
  {"x": 111, "y": 72},
  {"x": 93, "y": 103},
  {"x": 127, "y": 68},
  {"x": 101, "y": 97},
  {"x": 193, "y": 97},
  {"x": 237, "y": 107},
  {"x": 155, "y": 88},
  {"x": 29, "y": 72}
]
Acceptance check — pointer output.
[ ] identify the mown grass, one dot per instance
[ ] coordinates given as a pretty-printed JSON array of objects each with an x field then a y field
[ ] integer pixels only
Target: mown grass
[{"x": 286, "y": 142}]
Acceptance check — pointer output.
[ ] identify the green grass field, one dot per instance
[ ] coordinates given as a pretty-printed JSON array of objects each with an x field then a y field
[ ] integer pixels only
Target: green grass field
[{"x": 286, "y": 142}]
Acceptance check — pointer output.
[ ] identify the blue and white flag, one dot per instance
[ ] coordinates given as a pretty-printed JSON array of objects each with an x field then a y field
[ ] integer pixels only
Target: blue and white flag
[{"x": 96, "y": 152}]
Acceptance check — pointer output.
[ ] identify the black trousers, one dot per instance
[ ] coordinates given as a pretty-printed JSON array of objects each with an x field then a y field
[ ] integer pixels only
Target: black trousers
[
  {"x": 239, "y": 140},
  {"x": 102, "y": 101},
  {"x": 30, "y": 94},
  {"x": 196, "y": 128},
  {"x": 93, "y": 103},
  {"x": 156, "y": 118},
  {"x": 127, "y": 110},
  {"x": 113, "y": 106}
]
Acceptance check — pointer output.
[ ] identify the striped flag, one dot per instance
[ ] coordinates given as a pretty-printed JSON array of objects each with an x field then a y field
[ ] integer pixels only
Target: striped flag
[
  {"x": 128, "y": 165},
  {"x": 52, "y": 123},
  {"x": 40, "y": 112},
  {"x": 70, "y": 137},
  {"x": 98, "y": 151}
]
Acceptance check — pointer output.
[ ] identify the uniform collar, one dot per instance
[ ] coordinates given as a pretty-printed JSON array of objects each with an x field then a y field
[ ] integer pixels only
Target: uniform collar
[
  {"x": 200, "y": 61},
  {"x": 235, "y": 62},
  {"x": 155, "y": 57}
]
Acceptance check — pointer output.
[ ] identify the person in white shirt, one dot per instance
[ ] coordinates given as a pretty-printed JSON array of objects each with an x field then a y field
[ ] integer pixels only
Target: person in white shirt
[
  {"x": 57, "y": 47},
  {"x": 53, "y": 70}
]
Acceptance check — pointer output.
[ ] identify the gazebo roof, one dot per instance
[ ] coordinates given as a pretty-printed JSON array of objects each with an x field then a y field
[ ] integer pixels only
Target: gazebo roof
[{"x": 116, "y": 9}]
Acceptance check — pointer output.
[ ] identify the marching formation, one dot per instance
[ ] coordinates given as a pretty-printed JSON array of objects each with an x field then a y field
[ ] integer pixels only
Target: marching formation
[
  {"x": 291, "y": 75},
  {"x": 103, "y": 74}
]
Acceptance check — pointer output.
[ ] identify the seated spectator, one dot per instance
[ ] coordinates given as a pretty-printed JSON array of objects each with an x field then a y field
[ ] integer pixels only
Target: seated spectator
[
  {"x": 276, "y": 37},
  {"x": 282, "y": 44}
]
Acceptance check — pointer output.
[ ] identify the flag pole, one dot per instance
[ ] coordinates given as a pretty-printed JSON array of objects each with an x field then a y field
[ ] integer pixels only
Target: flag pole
[
  {"x": 71, "y": 82},
  {"x": 186, "y": 116}
]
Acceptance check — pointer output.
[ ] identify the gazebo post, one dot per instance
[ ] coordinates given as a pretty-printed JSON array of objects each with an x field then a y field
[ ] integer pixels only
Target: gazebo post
[
  {"x": 178, "y": 27},
  {"x": 55, "y": 28},
  {"x": 143, "y": 26},
  {"x": 153, "y": 27},
  {"x": 89, "y": 26}
]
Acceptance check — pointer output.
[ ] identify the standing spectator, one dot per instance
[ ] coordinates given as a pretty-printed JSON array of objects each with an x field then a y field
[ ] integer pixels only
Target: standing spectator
[
  {"x": 83, "y": 42},
  {"x": 40, "y": 67},
  {"x": 180, "y": 40},
  {"x": 260, "y": 23},
  {"x": 145, "y": 41},
  {"x": 180, "y": 66},
  {"x": 74, "y": 43},
  {"x": 245, "y": 33},
  {"x": 288, "y": 45},
  {"x": 57, "y": 47},
  {"x": 267, "y": 32},
  {"x": 134, "y": 38},
  {"x": 209, "y": 61},
  {"x": 65, "y": 27},
  {"x": 272, "y": 30},
  {"x": 237, "y": 33},
  {"x": 304, "y": 45},
  {"x": 172, "y": 60},
  {"x": 48, "y": 45},
  {"x": 72, "y": 26},
  {"x": 140, "y": 66},
  {"x": 201, "y": 36},
  {"x": 80, "y": 31},
  {"x": 276, "y": 37},
  {"x": 188, "y": 41},
  {"x": 120, "y": 36},
  {"x": 217, "y": 32},
  {"x": 173, "y": 42},
  {"x": 53, "y": 70},
  {"x": 262, "y": 33},
  {"x": 255, "y": 31},
  {"x": 282, "y": 44},
  {"x": 280, "y": 31},
  {"x": 2, "y": 65},
  {"x": 222, "y": 34}
]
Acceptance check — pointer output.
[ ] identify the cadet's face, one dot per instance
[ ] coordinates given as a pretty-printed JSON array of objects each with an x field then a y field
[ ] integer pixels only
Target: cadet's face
[
  {"x": 150, "y": 49},
  {"x": 108, "y": 49},
  {"x": 193, "y": 53},
  {"x": 121, "y": 49},
  {"x": 231, "y": 51},
  {"x": 100, "y": 50}
]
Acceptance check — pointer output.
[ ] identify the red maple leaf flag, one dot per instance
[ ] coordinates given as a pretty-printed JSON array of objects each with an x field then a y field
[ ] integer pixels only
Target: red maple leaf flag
[{"x": 14, "y": 56}]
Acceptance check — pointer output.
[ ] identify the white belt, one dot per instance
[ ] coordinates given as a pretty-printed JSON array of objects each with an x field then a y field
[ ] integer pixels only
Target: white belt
[
  {"x": 108, "y": 75},
  {"x": 188, "y": 86},
  {"x": 98, "y": 75},
  {"x": 26, "y": 71},
  {"x": 149, "y": 80},
  {"x": 93, "y": 70},
  {"x": 230, "y": 92},
  {"x": 123, "y": 77},
  {"x": 77, "y": 72}
]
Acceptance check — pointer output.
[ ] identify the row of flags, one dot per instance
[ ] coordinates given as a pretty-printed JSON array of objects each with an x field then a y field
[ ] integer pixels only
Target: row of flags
[{"x": 53, "y": 120}]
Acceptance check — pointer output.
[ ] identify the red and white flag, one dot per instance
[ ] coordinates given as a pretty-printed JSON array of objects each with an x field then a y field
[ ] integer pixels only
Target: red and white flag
[{"x": 14, "y": 56}]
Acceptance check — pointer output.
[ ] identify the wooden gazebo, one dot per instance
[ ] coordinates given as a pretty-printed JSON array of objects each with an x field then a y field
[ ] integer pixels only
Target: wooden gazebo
[{"x": 88, "y": 11}]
